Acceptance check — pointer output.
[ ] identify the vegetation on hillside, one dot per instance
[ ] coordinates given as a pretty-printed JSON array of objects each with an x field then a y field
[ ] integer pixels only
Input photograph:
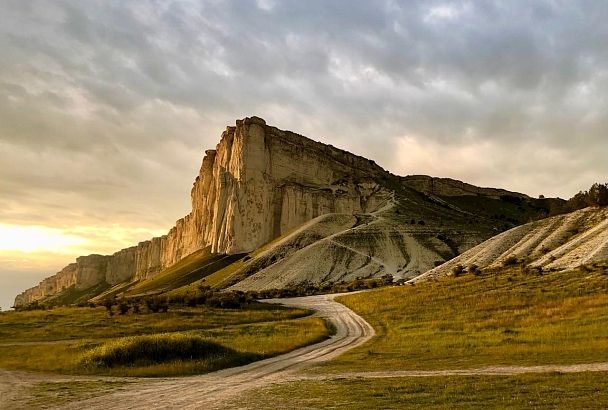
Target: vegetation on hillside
[
  {"x": 509, "y": 316},
  {"x": 513, "y": 315},
  {"x": 597, "y": 195}
]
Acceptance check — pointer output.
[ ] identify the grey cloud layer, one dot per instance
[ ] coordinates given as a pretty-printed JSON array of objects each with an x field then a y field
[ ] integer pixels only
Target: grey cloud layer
[{"x": 106, "y": 106}]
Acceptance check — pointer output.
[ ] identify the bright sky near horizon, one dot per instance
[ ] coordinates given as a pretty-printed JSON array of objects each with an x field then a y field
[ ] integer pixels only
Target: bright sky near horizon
[{"x": 106, "y": 107}]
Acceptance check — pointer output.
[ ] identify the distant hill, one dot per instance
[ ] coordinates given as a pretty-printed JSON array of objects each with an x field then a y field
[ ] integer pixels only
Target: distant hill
[
  {"x": 558, "y": 243},
  {"x": 287, "y": 209}
]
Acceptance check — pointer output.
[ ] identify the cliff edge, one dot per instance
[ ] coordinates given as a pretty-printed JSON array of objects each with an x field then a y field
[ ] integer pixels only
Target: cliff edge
[{"x": 256, "y": 185}]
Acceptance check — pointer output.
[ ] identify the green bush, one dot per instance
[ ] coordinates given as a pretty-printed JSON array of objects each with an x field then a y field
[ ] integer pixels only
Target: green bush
[
  {"x": 157, "y": 304},
  {"x": 152, "y": 349}
]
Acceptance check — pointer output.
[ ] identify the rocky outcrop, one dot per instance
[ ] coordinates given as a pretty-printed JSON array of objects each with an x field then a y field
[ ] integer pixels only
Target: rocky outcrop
[
  {"x": 87, "y": 271},
  {"x": 257, "y": 184},
  {"x": 452, "y": 187}
]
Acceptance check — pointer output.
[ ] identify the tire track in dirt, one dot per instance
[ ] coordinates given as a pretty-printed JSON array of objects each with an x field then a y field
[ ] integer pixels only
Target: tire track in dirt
[{"x": 478, "y": 371}]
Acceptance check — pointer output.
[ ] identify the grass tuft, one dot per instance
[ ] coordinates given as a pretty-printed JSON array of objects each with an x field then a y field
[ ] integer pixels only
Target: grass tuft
[{"x": 153, "y": 349}]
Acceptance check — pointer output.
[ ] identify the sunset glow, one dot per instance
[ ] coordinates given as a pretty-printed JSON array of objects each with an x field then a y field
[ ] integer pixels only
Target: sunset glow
[
  {"x": 38, "y": 238},
  {"x": 79, "y": 240}
]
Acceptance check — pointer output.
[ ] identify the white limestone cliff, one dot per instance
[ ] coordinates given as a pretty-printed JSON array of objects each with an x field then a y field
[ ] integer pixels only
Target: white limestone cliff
[{"x": 257, "y": 184}]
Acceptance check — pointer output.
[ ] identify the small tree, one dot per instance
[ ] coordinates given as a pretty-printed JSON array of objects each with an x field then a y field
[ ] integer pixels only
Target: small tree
[
  {"x": 474, "y": 269},
  {"x": 136, "y": 308},
  {"x": 108, "y": 303},
  {"x": 123, "y": 308},
  {"x": 510, "y": 261},
  {"x": 458, "y": 270},
  {"x": 598, "y": 195}
]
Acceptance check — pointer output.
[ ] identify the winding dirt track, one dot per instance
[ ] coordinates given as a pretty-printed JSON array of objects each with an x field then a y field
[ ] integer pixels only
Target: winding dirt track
[
  {"x": 223, "y": 388},
  {"x": 210, "y": 391}
]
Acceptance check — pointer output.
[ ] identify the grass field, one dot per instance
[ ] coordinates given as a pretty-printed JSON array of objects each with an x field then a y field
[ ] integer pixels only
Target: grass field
[
  {"x": 553, "y": 390},
  {"x": 51, "y": 394},
  {"x": 60, "y": 340},
  {"x": 505, "y": 317},
  {"x": 77, "y": 323}
]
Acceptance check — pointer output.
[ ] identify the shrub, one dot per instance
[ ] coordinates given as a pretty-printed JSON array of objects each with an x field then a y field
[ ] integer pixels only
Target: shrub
[
  {"x": 178, "y": 299},
  {"x": 458, "y": 270},
  {"x": 597, "y": 195},
  {"x": 157, "y": 304},
  {"x": 474, "y": 269},
  {"x": 510, "y": 261},
  {"x": 123, "y": 308},
  {"x": 136, "y": 308},
  {"x": 108, "y": 303},
  {"x": 225, "y": 300},
  {"x": 152, "y": 349}
]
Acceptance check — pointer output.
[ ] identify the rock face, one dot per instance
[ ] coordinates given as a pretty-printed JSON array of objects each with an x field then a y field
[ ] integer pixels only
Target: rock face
[
  {"x": 257, "y": 184},
  {"x": 451, "y": 187}
]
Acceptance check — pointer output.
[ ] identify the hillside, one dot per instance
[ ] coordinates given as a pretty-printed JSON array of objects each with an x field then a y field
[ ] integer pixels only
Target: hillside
[
  {"x": 282, "y": 201},
  {"x": 558, "y": 243}
]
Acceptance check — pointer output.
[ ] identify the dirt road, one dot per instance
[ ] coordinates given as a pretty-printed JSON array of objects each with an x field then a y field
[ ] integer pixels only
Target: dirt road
[
  {"x": 210, "y": 391},
  {"x": 216, "y": 390}
]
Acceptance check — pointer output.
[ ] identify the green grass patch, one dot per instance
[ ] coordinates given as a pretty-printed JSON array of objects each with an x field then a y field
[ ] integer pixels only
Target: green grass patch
[
  {"x": 180, "y": 342},
  {"x": 74, "y": 296},
  {"x": 91, "y": 323},
  {"x": 153, "y": 349},
  {"x": 238, "y": 345},
  {"x": 190, "y": 269},
  {"x": 551, "y": 390},
  {"x": 504, "y": 317},
  {"x": 212, "y": 280}
]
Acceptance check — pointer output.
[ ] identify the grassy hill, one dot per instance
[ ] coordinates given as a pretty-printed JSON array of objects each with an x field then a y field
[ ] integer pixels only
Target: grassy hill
[{"x": 498, "y": 317}]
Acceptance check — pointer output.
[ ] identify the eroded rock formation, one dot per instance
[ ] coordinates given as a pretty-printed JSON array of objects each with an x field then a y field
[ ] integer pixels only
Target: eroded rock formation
[
  {"x": 257, "y": 184},
  {"x": 452, "y": 187}
]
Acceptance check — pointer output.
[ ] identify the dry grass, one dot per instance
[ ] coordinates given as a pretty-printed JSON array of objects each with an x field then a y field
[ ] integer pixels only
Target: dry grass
[
  {"x": 52, "y": 394},
  {"x": 245, "y": 335},
  {"x": 553, "y": 390},
  {"x": 77, "y": 323},
  {"x": 240, "y": 344},
  {"x": 506, "y": 317}
]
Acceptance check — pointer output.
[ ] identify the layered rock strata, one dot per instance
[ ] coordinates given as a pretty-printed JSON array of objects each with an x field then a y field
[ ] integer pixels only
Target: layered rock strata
[
  {"x": 452, "y": 187},
  {"x": 257, "y": 184}
]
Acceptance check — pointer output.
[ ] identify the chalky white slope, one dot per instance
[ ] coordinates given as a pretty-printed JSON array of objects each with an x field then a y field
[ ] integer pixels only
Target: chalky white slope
[{"x": 561, "y": 242}]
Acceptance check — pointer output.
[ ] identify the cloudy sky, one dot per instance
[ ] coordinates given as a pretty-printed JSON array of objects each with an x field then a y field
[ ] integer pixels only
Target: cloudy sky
[{"x": 106, "y": 107}]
